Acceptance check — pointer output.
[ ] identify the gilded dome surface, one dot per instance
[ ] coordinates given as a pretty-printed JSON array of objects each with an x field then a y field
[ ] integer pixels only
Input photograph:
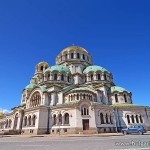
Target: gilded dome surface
[{"x": 71, "y": 48}]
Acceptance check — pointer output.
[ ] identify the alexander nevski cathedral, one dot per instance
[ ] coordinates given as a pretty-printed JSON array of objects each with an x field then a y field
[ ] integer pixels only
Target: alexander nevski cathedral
[{"x": 73, "y": 97}]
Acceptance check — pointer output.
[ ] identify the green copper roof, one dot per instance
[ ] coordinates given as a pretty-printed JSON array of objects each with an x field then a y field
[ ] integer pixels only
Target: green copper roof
[
  {"x": 32, "y": 86},
  {"x": 118, "y": 89},
  {"x": 94, "y": 69},
  {"x": 58, "y": 68},
  {"x": 43, "y": 89},
  {"x": 80, "y": 89}
]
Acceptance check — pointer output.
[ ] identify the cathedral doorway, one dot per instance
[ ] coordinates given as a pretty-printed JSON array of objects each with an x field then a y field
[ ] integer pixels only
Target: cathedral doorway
[{"x": 85, "y": 123}]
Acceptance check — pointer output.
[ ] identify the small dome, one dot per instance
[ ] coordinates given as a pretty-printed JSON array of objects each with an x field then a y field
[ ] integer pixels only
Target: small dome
[
  {"x": 41, "y": 66},
  {"x": 94, "y": 69},
  {"x": 118, "y": 89},
  {"x": 73, "y": 48},
  {"x": 43, "y": 62},
  {"x": 58, "y": 68}
]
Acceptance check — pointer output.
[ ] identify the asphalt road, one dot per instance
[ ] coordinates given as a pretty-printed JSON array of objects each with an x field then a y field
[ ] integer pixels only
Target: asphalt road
[{"x": 128, "y": 142}]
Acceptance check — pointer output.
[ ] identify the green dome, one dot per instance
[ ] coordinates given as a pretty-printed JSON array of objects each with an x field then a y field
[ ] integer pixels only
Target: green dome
[
  {"x": 58, "y": 68},
  {"x": 118, "y": 89},
  {"x": 32, "y": 86},
  {"x": 94, "y": 69}
]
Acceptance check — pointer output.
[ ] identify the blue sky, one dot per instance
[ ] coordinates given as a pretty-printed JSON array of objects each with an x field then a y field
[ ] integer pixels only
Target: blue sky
[{"x": 116, "y": 34}]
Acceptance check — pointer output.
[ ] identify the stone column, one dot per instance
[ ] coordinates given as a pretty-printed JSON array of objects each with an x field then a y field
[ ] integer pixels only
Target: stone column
[
  {"x": 59, "y": 76},
  {"x": 75, "y": 55},
  {"x": 51, "y": 76},
  {"x": 104, "y": 116},
  {"x": 102, "y": 77},
  {"x": 95, "y": 76},
  {"x": 53, "y": 98},
  {"x": 88, "y": 78}
]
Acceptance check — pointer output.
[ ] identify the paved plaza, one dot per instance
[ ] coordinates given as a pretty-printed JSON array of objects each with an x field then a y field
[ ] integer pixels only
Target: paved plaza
[{"x": 129, "y": 142}]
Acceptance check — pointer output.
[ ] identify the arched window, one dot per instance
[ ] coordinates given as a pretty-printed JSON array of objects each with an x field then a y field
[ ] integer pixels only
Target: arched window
[
  {"x": 125, "y": 98},
  {"x": 34, "y": 120},
  {"x": 16, "y": 121},
  {"x": 55, "y": 76},
  {"x": 29, "y": 120},
  {"x": 107, "y": 122},
  {"x": 99, "y": 77},
  {"x": 60, "y": 118},
  {"x": 6, "y": 124},
  {"x": 62, "y": 77},
  {"x": 35, "y": 100},
  {"x": 10, "y": 123},
  {"x": 141, "y": 120},
  {"x": 25, "y": 121},
  {"x": 54, "y": 119},
  {"x": 72, "y": 55},
  {"x": 137, "y": 119},
  {"x": 132, "y": 118},
  {"x": 66, "y": 118},
  {"x": 68, "y": 79},
  {"x": 78, "y": 56},
  {"x": 83, "y": 56},
  {"x": 101, "y": 118},
  {"x": 69, "y": 98},
  {"x": 91, "y": 77},
  {"x": 77, "y": 96},
  {"x": 66, "y": 56},
  {"x": 116, "y": 98},
  {"x": 83, "y": 96},
  {"x": 48, "y": 77},
  {"x": 85, "y": 79},
  {"x": 128, "y": 119},
  {"x": 111, "y": 121},
  {"x": 105, "y": 77},
  {"x": 84, "y": 110},
  {"x": 41, "y": 68}
]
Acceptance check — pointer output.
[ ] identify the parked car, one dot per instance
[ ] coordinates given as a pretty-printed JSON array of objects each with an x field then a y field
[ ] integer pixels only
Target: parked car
[{"x": 139, "y": 129}]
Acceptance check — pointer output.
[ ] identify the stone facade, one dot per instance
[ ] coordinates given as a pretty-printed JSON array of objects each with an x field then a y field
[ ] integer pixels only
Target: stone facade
[{"x": 73, "y": 97}]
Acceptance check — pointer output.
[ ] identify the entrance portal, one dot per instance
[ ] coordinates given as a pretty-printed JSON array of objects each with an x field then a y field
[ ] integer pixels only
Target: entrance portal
[{"x": 85, "y": 123}]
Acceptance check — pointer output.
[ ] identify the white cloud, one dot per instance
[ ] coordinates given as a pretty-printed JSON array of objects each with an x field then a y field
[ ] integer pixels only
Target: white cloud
[{"x": 5, "y": 111}]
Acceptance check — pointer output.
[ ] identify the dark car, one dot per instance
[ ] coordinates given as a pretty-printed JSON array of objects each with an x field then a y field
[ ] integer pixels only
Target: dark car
[{"x": 139, "y": 129}]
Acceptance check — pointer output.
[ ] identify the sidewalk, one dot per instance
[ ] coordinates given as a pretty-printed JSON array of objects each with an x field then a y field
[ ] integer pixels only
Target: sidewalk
[{"x": 69, "y": 135}]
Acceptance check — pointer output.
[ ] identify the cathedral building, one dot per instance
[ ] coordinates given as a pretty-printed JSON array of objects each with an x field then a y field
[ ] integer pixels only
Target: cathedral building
[{"x": 73, "y": 97}]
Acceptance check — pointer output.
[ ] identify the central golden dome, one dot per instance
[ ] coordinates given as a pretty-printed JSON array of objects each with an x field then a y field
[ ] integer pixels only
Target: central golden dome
[{"x": 72, "y": 48}]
